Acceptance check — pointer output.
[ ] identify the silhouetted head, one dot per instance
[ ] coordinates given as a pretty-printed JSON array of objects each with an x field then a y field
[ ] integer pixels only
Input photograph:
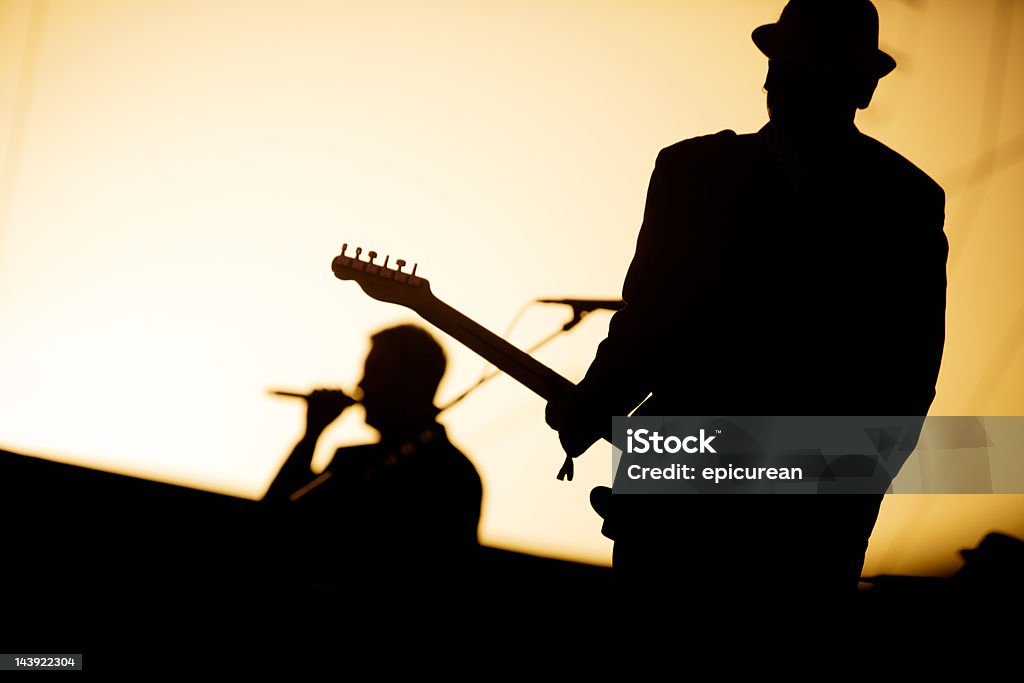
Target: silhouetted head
[
  {"x": 400, "y": 378},
  {"x": 824, "y": 61}
]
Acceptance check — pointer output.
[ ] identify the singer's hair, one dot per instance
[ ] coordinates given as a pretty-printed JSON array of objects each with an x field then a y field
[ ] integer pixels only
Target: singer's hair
[{"x": 418, "y": 353}]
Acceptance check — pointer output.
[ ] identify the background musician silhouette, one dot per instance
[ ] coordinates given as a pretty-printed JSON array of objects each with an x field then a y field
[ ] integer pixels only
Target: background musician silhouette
[{"x": 384, "y": 509}]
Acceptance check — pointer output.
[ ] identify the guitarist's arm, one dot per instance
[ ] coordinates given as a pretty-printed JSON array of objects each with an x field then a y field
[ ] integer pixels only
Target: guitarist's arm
[
  {"x": 619, "y": 378},
  {"x": 323, "y": 406},
  {"x": 670, "y": 282}
]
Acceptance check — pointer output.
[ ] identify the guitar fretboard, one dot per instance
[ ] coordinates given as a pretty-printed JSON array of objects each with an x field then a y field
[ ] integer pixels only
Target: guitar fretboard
[{"x": 533, "y": 374}]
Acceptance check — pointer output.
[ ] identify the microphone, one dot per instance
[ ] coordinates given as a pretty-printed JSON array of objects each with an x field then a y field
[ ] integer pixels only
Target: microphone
[
  {"x": 587, "y": 305},
  {"x": 296, "y": 394},
  {"x": 580, "y": 307}
]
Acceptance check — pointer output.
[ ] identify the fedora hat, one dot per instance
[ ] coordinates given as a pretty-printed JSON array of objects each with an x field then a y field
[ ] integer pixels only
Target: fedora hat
[{"x": 830, "y": 34}]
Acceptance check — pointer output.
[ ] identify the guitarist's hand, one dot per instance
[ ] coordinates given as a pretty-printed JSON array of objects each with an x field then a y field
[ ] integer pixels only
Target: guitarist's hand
[
  {"x": 323, "y": 407},
  {"x": 578, "y": 430}
]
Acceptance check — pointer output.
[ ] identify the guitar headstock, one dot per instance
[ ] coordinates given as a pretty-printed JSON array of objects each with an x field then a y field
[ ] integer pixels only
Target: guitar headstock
[{"x": 381, "y": 281}]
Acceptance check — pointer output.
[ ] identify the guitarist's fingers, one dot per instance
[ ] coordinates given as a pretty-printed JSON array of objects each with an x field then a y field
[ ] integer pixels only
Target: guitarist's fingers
[
  {"x": 576, "y": 442},
  {"x": 554, "y": 413},
  {"x": 567, "y": 470}
]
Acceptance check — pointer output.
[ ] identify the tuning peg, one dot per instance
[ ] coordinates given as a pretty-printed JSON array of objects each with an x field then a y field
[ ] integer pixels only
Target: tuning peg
[
  {"x": 343, "y": 248},
  {"x": 372, "y": 255},
  {"x": 401, "y": 264},
  {"x": 359, "y": 250},
  {"x": 386, "y": 257},
  {"x": 414, "y": 267}
]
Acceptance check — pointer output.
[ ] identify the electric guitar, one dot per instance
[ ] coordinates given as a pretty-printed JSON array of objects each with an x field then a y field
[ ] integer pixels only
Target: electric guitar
[{"x": 395, "y": 285}]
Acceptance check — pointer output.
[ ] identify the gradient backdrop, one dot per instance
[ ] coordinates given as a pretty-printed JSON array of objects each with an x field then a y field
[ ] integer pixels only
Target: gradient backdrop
[{"x": 176, "y": 175}]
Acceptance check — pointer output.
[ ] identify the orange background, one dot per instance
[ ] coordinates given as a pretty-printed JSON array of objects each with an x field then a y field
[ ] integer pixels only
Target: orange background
[{"x": 176, "y": 176}]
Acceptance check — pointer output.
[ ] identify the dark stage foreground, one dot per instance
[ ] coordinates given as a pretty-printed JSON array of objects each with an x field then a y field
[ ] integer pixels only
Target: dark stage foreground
[
  {"x": 126, "y": 570},
  {"x": 98, "y": 561}
]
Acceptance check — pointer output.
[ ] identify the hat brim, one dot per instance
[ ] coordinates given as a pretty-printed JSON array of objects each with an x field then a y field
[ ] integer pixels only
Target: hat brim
[{"x": 878, "y": 63}]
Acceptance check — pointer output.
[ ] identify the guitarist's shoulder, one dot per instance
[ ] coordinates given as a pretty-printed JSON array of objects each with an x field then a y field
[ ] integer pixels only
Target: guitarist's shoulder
[
  {"x": 897, "y": 172},
  {"x": 700, "y": 149}
]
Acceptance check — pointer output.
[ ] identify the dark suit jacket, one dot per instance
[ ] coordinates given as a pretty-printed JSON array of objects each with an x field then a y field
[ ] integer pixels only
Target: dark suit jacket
[
  {"x": 393, "y": 514},
  {"x": 752, "y": 293},
  {"x": 774, "y": 277},
  {"x": 423, "y": 495}
]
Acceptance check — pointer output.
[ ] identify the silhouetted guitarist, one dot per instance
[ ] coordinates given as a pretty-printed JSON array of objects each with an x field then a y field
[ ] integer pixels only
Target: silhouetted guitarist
[{"x": 799, "y": 270}]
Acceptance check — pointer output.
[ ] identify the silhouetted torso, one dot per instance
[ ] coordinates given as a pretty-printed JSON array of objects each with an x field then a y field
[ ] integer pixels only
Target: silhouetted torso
[
  {"x": 774, "y": 275},
  {"x": 401, "y": 496},
  {"x": 402, "y": 508},
  {"x": 755, "y": 288}
]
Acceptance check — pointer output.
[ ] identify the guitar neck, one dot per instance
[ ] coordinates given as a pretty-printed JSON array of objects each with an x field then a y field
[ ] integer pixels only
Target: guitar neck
[{"x": 515, "y": 362}]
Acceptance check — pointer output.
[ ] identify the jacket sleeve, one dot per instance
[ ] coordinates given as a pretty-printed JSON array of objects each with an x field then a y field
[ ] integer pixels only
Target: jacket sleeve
[
  {"x": 674, "y": 277},
  {"x": 924, "y": 338},
  {"x": 619, "y": 377},
  {"x": 661, "y": 283}
]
